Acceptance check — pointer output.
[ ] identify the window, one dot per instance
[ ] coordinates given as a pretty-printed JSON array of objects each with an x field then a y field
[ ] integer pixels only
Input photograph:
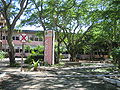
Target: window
[
  {"x": 20, "y": 50},
  {"x": 17, "y": 50},
  {"x": 40, "y": 39},
  {"x": 30, "y": 51},
  {"x": 7, "y": 50},
  {"x": 3, "y": 50},
  {"x": 3, "y": 37},
  {"x": 17, "y": 38},
  {"x": 36, "y": 39},
  {"x": 13, "y": 37},
  {"x": 26, "y": 51},
  {"x": 31, "y": 38}
]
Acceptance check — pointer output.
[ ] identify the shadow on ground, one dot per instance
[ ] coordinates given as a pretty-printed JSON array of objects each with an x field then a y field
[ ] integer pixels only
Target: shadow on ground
[
  {"x": 14, "y": 82},
  {"x": 11, "y": 82}
]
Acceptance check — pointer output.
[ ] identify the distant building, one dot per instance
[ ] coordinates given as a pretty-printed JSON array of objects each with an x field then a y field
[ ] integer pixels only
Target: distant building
[{"x": 32, "y": 42}]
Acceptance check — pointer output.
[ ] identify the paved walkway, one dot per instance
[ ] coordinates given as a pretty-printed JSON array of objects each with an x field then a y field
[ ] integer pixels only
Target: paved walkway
[
  {"x": 16, "y": 80},
  {"x": 20, "y": 83}
]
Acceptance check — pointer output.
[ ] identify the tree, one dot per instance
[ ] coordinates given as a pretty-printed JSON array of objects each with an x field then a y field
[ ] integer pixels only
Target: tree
[
  {"x": 12, "y": 11},
  {"x": 75, "y": 16},
  {"x": 67, "y": 18},
  {"x": 109, "y": 23},
  {"x": 105, "y": 36},
  {"x": 44, "y": 14}
]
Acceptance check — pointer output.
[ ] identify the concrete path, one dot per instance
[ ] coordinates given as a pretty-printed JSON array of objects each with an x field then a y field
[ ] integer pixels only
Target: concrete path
[
  {"x": 11, "y": 82},
  {"x": 16, "y": 80}
]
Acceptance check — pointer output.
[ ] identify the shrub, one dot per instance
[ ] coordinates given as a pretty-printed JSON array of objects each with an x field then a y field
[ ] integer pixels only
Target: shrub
[
  {"x": 2, "y": 54},
  {"x": 36, "y": 54},
  {"x": 34, "y": 57},
  {"x": 62, "y": 56},
  {"x": 35, "y": 64},
  {"x": 116, "y": 56}
]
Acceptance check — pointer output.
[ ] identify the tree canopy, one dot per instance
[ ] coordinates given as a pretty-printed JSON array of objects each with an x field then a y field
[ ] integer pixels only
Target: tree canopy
[{"x": 12, "y": 11}]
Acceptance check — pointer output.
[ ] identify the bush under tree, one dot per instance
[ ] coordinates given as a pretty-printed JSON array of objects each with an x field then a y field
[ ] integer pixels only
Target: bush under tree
[{"x": 116, "y": 56}]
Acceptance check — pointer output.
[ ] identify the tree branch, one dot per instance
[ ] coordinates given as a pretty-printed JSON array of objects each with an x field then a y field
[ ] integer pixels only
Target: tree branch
[
  {"x": 85, "y": 33},
  {"x": 40, "y": 14},
  {"x": 20, "y": 12},
  {"x": 4, "y": 3},
  {"x": 9, "y": 3},
  {"x": 4, "y": 12}
]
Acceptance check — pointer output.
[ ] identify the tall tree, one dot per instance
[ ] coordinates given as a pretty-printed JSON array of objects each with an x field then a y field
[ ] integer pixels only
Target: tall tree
[
  {"x": 109, "y": 22},
  {"x": 106, "y": 34},
  {"x": 12, "y": 11},
  {"x": 44, "y": 14},
  {"x": 75, "y": 16},
  {"x": 68, "y": 17}
]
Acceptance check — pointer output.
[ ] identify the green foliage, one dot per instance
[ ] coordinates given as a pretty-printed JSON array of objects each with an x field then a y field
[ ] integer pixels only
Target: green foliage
[
  {"x": 38, "y": 50},
  {"x": 35, "y": 57},
  {"x": 12, "y": 10},
  {"x": 15, "y": 65},
  {"x": 36, "y": 54},
  {"x": 2, "y": 54},
  {"x": 35, "y": 64},
  {"x": 116, "y": 56},
  {"x": 82, "y": 25},
  {"x": 61, "y": 56},
  {"x": 27, "y": 47}
]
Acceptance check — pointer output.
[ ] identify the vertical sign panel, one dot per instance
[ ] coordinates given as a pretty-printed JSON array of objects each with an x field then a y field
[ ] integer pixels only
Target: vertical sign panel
[{"x": 49, "y": 47}]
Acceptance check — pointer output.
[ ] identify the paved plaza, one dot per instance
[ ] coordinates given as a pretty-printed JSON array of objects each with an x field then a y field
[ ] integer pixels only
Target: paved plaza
[{"x": 52, "y": 79}]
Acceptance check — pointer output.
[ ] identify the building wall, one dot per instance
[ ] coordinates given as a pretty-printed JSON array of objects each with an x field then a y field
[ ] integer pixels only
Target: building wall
[{"x": 32, "y": 42}]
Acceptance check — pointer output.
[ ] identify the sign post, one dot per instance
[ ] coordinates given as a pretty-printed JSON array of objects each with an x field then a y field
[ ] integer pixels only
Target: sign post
[
  {"x": 23, "y": 39},
  {"x": 22, "y": 55},
  {"x": 49, "y": 47}
]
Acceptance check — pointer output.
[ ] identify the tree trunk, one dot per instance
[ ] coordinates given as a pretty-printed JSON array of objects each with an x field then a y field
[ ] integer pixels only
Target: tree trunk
[
  {"x": 119, "y": 64},
  {"x": 73, "y": 57},
  {"x": 11, "y": 51},
  {"x": 58, "y": 53}
]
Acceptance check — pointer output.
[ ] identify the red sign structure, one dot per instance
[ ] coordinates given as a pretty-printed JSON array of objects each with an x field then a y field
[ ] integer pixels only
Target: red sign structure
[
  {"x": 49, "y": 47},
  {"x": 23, "y": 38}
]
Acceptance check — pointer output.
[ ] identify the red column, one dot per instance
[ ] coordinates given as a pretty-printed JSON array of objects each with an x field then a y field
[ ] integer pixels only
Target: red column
[{"x": 49, "y": 47}]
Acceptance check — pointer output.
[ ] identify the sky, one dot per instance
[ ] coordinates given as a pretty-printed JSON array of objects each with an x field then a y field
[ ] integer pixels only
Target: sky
[
  {"x": 28, "y": 27},
  {"x": 31, "y": 28}
]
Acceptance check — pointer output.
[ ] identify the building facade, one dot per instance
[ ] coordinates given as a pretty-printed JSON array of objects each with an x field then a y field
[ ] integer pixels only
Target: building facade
[{"x": 33, "y": 41}]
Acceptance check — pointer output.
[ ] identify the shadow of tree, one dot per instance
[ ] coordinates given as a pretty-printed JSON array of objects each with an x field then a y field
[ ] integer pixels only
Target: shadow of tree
[
  {"x": 54, "y": 83},
  {"x": 13, "y": 82}
]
